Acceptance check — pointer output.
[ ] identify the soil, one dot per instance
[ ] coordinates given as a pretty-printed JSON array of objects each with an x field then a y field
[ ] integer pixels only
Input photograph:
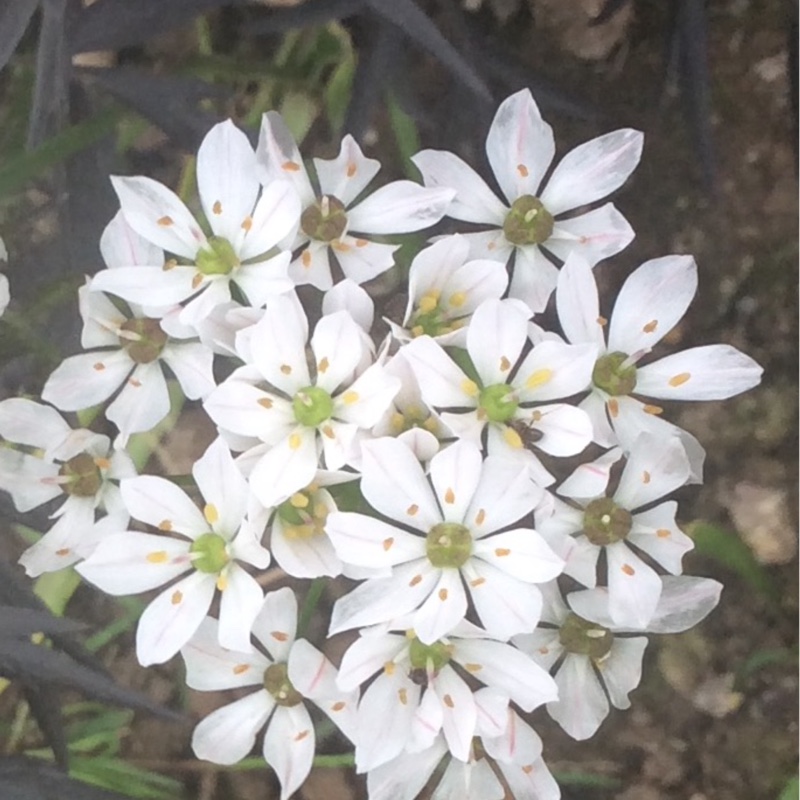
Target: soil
[{"x": 715, "y": 717}]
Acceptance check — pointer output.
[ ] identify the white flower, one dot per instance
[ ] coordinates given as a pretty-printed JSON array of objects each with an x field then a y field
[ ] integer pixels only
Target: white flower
[
  {"x": 290, "y": 671},
  {"x": 245, "y": 230},
  {"x": 444, "y": 545},
  {"x": 654, "y": 468},
  {"x": 444, "y": 289},
  {"x": 507, "y": 741},
  {"x": 301, "y": 412},
  {"x": 215, "y": 541},
  {"x": 579, "y": 638},
  {"x": 500, "y": 394},
  {"x": 420, "y": 690},
  {"x": 331, "y": 212},
  {"x": 77, "y": 465},
  {"x": 651, "y": 302},
  {"x": 134, "y": 349},
  {"x": 520, "y": 148}
]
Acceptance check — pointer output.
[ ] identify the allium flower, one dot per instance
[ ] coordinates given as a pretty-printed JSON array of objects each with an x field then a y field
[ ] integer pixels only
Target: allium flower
[
  {"x": 446, "y": 543},
  {"x": 77, "y": 465},
  {"x": 589, "y": 651},
  {"x": 135, "y": 346},
  {"x": 651, "y": 302},
  {"x": 420, "y": 690},
  {"x": 332, "y": 212},
  {"x": 300, "y": 415},
  {"x": 290, "y": 671},
  {"x": 216, "y": 539},
  {"x": 508, "y": 394},
  {"x": 444, "y": 289},
  {"x": 520, "y": 148},
  {"x": 506, "y": 740},
  {"x": 654, "y": 468},
  {"x": 241, "y": 248}
]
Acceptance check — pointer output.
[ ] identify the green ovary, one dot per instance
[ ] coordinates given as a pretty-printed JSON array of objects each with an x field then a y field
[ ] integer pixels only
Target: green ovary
[
  {"x": 145, "y": 340},
  {"x": 448, "y": 544},
  {"x": 604, "y": 522},
  {"x": 612, "y": 377},
  {"x": 312, "y": 406},
  {"x": 277, "y": 683},
  {"x": 325, "y": 220},
  {"x": 585, "y": 638},
  {"x": 218, "y": 257},
  {"x": 528, "y": 221},
  {"x": 210, "y": 553},
  {"x": 83, "y": 474},
  {"x": 498, "y": 402},
  {"x": 420, "y": 654}
]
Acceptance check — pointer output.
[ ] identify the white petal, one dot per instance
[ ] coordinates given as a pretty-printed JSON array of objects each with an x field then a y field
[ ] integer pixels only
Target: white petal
[
  {"x": 61, "y": 544},
  {"x": 520, "y": 146},
  {"x": 226, "y": 178},
  {"x": 427, "y": 723},
  {"x": 34, "y": 424},
  {"x": 366, "y": 656},
  {"x": 633, "y": 588},
  {"x": 459, "y": 715},
  {"x": 130, "y": 562},
  {"x": 101, "y": 318},
  {"x": 263, "y": 280},
  {"x": 553, "y": 370},
  {"x": 276, "y": 625},
  {"x": 172, "y": 618},
  {"x": 651, "y": 302},
  {"x": 87, "y": 380},
  {"x": 148, "y": 285},
  {"x": 474, "y": 200},
  {"x": 191, "y": 363},
  {"x": 223, "y": 488},
  {"x": 336, "y": 344},
  {"x": 347, "y": 295},
  {"x": 279, "y": 158},
  {"x": 593, "y": 170},
  {"x": 492, "y": 706},
  {"x": 684, "y": 602},
  {"x": 497, "y": 332},
  {"x": 441, "y": 381},
  {"x": 713, "y": 372},
  {"x": 302, "y": 557},
  {"x": 228, "y": 734},
  {"x": 578, "y": 304},
  {"x": 241, "y": 601},
  {"x": 383, "y": 599},
  {"x": 456, "y": 473},
  {"x": 505, "y": 605},
  {"x": 507, "y": 669},
  {"x": 521, "y": 553},
  {"x": 286, "y": 468},
  {"x": 313, "y": 266},
  {"x": 347, "y": 175},
  {"x": 445, "y": 607},
  {"x": 534, "y": 277},
  {"x": 400, "y": 207},
  {"x": 582, "y": 705},
  {"x": 543, "y": 645},
  {"x": 530, "y": 781},
  {"x": 594, "y": 236},
  {"x": 368, "y": 542},
  {"x": 362, "y": 260},
  {"x": 143, "y": 401},
  {"x": 159, "y": 215},
  {"x": 393, "y": 483},
  {"x": 247, "y": 411},
  {"x": 404, "y": 777},
  {"x": 121, "y": 246},
  {"x": 491, "y": 244},
  {"x": 163, "y": 505},
  {"x": 275, "y": 218},
  {"x": 655, "y": 467},
  {"x": 594, "y": 404},
  {"x": 657, "y": 533},
  {"x": 289, "y": 745},
  {"x": 519, "y": 744},
  {"x": 473, "y": 780},
  {"x": 566, "y": 430},
  {"x": 622, "y": 670}
]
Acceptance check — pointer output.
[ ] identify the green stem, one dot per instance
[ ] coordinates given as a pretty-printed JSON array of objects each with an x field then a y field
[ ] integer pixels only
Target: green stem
[{"x": 309, "y": 605}]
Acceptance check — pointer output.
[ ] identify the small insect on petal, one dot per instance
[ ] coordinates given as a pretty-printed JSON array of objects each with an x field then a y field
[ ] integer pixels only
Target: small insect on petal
[{"x": 680, "y": 379}]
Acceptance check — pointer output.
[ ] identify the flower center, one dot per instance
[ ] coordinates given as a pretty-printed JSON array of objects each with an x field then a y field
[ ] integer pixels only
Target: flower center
[
  {"x": 312, "y": 406},
  {"x": 419, "y": 654},
  {"x": 277, "y": 683},
  {"x": 528, "y": 221},
  {"x": 303, "y": 516},
  {"x": 448, "y": 544},
  {"x": 585, "y": 638},
  {"x": 145, "y": 340},
  {"x": 604, "y": 522},
  {"x": 612, "y": 377},
  {"x": 84, "y": 477},
  {"x": 413, "y": 417},
  {"x": 218, "y": 258},
  {"x": 324, "y": 220},
  {"x": 498, "y": 402},
  {"x": 434, "y": 317},
  {"x": 211, "y": 553}
]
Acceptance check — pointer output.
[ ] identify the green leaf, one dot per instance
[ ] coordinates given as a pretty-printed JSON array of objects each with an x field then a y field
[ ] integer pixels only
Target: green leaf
[
  {"x": 56, "y": 589},
  {"x": 728, "y": 549},
  {"x": 405, "y": 134},
  {"x": 791, "y": 791}
]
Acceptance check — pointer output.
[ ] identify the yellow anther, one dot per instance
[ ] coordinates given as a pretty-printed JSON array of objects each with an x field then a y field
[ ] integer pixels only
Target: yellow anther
[
  {"x": 210, "y": 513},
  {"x": 222, "y": 582},
  {"x": 512, "y": 438},
  {"x": 428, "y": 302},
  {"x": 323, "y": 365},
  {"x": 469, "y": 387},
  {"x": 538, "y": 378},
  {"x": 457, "y": 299},
  {"x": 299, "y": 500},
  {"x": 349, "y": 398},
  {"x": 678, "y": 380},
  {"x": 157, "y": 557},
  {"x": 295, "y": 440}
]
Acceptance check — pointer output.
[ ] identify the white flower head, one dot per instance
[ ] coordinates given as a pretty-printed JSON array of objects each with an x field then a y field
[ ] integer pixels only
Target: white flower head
[
  {"x": 246, "y": 225},
  {"x": 421, "y": 689},
  {"x": 214, "y": 541},
  {"x": 444, "y": 289},
  {"x": 334, "y": 220},
  {"x": 520, "y": 148},
  {"x": 52, "y": 460},
  {"x": 587, "y": 651},
  {"x": 597, "y": 522},
  {"x": 284, "y": 674},
  {"x": 303, "y": 412},
  {"x": 446, "y": 542},
  {"x": 509, "y": 394}
]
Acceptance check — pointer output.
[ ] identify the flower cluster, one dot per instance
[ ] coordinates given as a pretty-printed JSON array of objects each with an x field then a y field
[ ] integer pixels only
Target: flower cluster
[{"x": 424, "y": 467}]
